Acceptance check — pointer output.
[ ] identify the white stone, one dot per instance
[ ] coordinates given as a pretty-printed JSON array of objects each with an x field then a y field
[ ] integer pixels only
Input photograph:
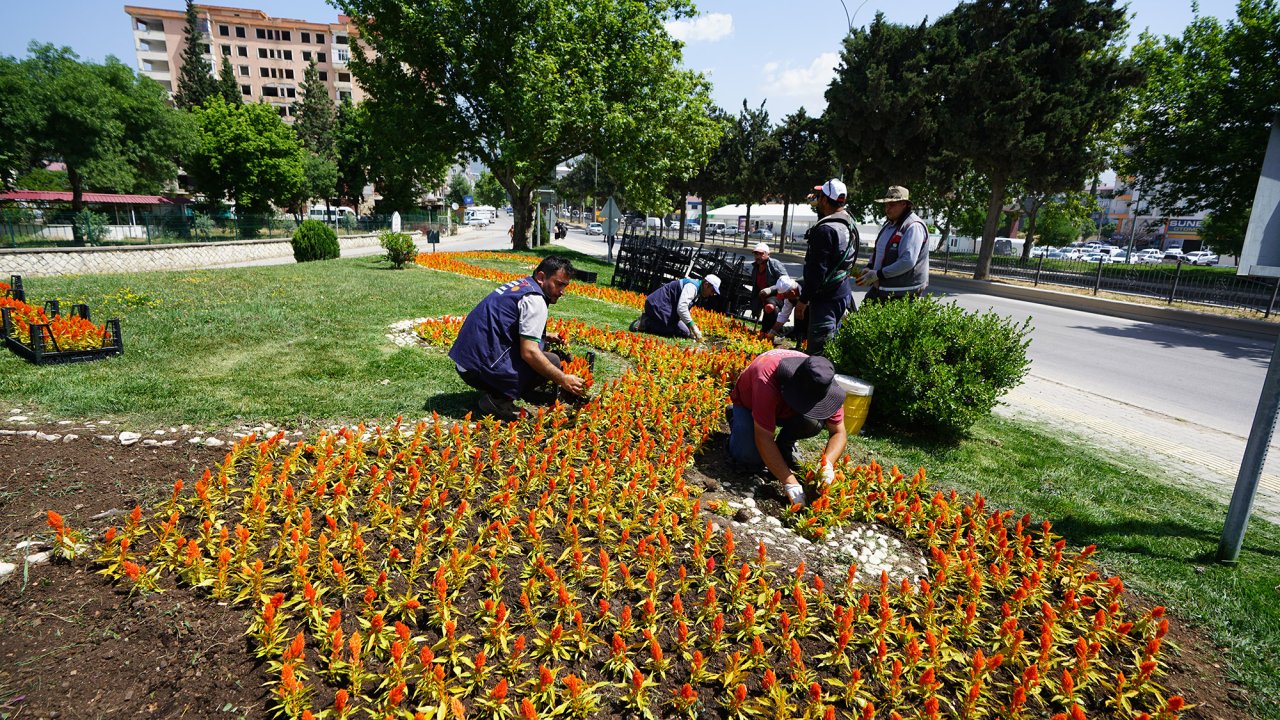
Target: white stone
[
  {"x": 18, "y": 418},
  {"x": 213, "y": 442},
  {"x": 39, "y": 558},
  {"x": 8, "y": 432},
  {"x": 64, "y": 422},
  {"x": 6, "y": 569},
  {"x": 104, "y": 422},
  {"x": 28, "y": 433},
  {"x": 195, "y": 440},
  {"x": 129, "y": 438},
  {"x": 28, "y": 545},
  {"x": 238, "y": 434},
  {"x": 168, "y": 443},
  {"x": 150, "y": 443},
  {"x": 185, "y": 428},
  {"x": 159, "y": 432},
  {"x": 69, "y": 437},
  {"x": 106, "y": 437},
  {"x": 48, "y": 438}
]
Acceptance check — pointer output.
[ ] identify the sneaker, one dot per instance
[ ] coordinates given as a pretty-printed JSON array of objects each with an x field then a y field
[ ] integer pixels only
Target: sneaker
[{"x": 501, "y": 408}]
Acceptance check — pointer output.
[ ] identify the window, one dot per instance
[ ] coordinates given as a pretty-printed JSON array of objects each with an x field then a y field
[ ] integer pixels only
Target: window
[
  {"x": 344, "y": 77},
  {"x": 240, "y": 32},
  {"x": 242, "y": 50},
  {"x": 202, "y": 26},
  {"x": 306, "y": 56},
  {"x": 262, "y": 33},
  {"x": 306, "y": 36},
  {"x": 208, "y": 49},
  {"x": 264, "y": 72},
  {"x": 270, "y": 91},
  {"x": 288, "y": 54},
  {"x": 262, "y": 53},
  {"x": 226, "y": 50},
  {"x": 339, "y": 39},
  {"x": 319, "y": 38},
  {"x": 244, "y": 71},
  {"x": 342, "y": 55},
  {"x": 245, "y": 89},
  {"x": 224, "y": 30},
  {"x": 288, "y": 73},
  {"x": 320, "y": 57},
  {"x": 285, "y": 35},
  {"x": 343, "y": 95},
  {"x": 283, "y": 110},
  {"x": 324, "y": 76}
]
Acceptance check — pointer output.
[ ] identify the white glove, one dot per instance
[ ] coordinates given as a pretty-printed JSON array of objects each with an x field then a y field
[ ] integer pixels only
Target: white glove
[
  {"x": 795, "y": 494},
  {"x": 826, "y": 473}
]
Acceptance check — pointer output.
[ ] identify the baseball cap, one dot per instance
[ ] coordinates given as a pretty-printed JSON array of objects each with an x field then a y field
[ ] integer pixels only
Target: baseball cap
[
  {"x": 713, "y": 281},
  {"x": 833, "y": 189},
  {"x": 896, "y": 193},
  {"x": 786, "y": 284},
  {"x": 760, "y": 247}
]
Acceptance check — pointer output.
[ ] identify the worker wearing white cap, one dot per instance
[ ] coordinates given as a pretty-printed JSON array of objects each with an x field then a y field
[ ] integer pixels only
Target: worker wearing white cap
[
  {"x": 667, "y": 309},
  {"x": 825, "y": 295},
  {"x": 782, "y": 296},
  {"x": 765, "y": 272}
]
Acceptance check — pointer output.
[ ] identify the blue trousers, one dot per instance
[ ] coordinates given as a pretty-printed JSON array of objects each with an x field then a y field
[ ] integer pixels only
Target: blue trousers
[
  {"x": 824, "y": 316},
  {"x": 742, "y": 436}
]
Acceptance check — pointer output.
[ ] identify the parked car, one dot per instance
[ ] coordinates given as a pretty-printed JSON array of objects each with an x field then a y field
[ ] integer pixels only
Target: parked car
[
  {"x": 1174, "y": 255},
  {"x": 716, "y": 228},
  {"x": 762, "y": 234},
  {"x": 1148, "y": 256},
  {"x": 1072, "y": 253},
  {"x": 595, "y": 229},
  {"x": 1200, "y": 257},
  {"x": 673, "y": 224},
  {"x": 1094, "y": 257}
]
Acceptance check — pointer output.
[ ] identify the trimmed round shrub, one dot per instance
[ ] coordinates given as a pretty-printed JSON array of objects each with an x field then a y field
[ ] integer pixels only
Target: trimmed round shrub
[
  {"x": 936, "y": 368},
  {"x": 313, "y": 240},
  {"x": 399, "y": 246}
]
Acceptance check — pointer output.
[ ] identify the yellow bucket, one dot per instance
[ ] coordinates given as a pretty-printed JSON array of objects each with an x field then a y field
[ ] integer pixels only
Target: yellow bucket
[{"x": 857, "y": 401}]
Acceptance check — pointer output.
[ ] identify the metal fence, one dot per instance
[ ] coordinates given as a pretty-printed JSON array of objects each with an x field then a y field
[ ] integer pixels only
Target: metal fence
[
  {"x": 1169, "y": 282},
  {"x": 60, "y": 230}
]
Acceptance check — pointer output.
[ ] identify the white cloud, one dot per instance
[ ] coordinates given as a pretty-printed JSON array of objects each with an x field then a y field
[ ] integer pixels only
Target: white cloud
[
  {"x": 806, "y": 82},
  {"x": 704, "y": 28}
]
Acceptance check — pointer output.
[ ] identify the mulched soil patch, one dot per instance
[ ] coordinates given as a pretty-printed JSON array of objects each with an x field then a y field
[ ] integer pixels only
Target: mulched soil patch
[{"x": 74, "y": 646}]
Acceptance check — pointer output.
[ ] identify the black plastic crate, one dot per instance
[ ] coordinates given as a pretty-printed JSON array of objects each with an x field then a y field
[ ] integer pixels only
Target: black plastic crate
[
  {"x": 44, "y": 349},
  {"x": 586, "y": 276},
  {"x": 15, "y": 290}
]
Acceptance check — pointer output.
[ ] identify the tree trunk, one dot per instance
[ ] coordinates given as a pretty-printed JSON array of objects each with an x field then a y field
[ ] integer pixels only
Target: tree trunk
[
  {"x": 746, "y": 231},
  {"x": 1031, "y": 234},
  {"x": 995, "y": 208},
  {"x": 77, "y": 203},
  {"x": 684, "y": 215},
  {"x": 782, "y": 232},
  {"x": 522, "y": 218}
]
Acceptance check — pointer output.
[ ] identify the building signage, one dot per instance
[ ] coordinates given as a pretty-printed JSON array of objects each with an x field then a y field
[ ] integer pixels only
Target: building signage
[{"x": 1184, "y": 226}]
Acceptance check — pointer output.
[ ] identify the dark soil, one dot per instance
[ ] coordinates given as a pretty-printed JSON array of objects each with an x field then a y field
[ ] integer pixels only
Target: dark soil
[{"x": 72, "y": 645}]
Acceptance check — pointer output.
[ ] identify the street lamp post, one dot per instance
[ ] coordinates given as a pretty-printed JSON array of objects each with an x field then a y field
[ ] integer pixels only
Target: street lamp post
[{"x": 849, "y": 19}]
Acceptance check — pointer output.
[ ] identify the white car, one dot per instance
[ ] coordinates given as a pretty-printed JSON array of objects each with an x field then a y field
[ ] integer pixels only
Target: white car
[
  {"x": 1149, "y": 256},
  {"x": 595, "y": 229},
  {"x": 1094, "y": 257},
  {"x": 1174, "y": 255},
  {"x": 1200, "y": 257}
]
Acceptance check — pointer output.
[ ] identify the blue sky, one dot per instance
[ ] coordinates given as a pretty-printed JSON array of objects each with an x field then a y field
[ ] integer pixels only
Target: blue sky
[{"x": 781, "y": 52}]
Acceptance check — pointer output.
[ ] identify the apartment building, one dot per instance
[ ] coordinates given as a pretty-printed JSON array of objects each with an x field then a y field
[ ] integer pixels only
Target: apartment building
[{"x": 269, "y": 56}]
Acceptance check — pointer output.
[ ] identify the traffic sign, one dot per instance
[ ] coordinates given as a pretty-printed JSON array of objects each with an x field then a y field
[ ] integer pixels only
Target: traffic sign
[{"x": 611, "y": 217}]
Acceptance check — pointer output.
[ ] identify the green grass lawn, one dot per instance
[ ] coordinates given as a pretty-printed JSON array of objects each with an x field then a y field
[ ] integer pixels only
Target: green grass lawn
[{"x": 293, "y": 344}]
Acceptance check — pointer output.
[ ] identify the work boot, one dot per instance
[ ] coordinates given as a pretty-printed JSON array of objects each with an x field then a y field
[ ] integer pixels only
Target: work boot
[{"x": 501, "y": 408}]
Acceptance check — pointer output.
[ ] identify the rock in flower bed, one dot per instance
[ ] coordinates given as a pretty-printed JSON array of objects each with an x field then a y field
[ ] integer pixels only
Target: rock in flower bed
[{"x": 560, "y": 566}]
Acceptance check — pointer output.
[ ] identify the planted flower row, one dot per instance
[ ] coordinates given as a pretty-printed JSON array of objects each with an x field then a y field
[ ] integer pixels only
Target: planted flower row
[{"x": 559, "y": 566}]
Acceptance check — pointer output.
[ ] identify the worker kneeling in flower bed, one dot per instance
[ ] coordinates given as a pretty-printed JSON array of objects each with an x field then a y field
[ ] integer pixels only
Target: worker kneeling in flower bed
[
  {"x": 500, "y": 349},
  {"x": 793, "y": 395},
  {"x": 666, "y": 310}
]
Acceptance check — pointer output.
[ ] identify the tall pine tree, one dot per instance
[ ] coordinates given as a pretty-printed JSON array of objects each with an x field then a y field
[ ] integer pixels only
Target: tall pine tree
[
  {"x": 315, "y": 115},
  {"x": 228, "y": 88},
  {"x": 195, "y": 80}
]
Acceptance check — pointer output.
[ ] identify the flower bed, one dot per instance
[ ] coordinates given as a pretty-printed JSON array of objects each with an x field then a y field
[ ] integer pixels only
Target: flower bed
[{"x": 559, "y": 566}]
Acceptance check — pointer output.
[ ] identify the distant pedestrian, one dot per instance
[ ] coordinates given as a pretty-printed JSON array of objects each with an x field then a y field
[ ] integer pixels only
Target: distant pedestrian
[
  {"x": 825, "y": 295},
  {"x": 667, "y": 309},
  {"x": 765, "y": 272},
  {"x": 899, "y": 267}
]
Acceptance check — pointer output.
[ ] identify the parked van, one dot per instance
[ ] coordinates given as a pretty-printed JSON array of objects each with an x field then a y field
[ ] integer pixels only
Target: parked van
[
  {"x": 333, "y": 213},
  {"x": 715, "y": 228}
]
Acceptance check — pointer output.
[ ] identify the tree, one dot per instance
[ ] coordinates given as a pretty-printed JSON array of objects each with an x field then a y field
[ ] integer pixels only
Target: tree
[
  {"x": 1032, "y": 85},
  {"x": 1200, "y": 122},
  {"x": 754, "y": 156},
  {"x": 18, "y": 119},
  {"x": 588, "y": 180},
  {"x": 1062, "y": 218},
  {"x": 319, "y": 180},
  {"x": 196, "y": 83},
  {"x": 228, "y": 86},
  {"x": 459, "y": 189},
  {"x": 245, "y": 154},
  {"x": 315, "y": 115},
  {"x": 112, "y": 129},
  {"x": 805, "y": 158},
  {"x": 535, "y": 84},
  {"x": 489, "y": 191},
  {"x": 715, "y": 175},
  {"x": 351, "y": 140}
]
